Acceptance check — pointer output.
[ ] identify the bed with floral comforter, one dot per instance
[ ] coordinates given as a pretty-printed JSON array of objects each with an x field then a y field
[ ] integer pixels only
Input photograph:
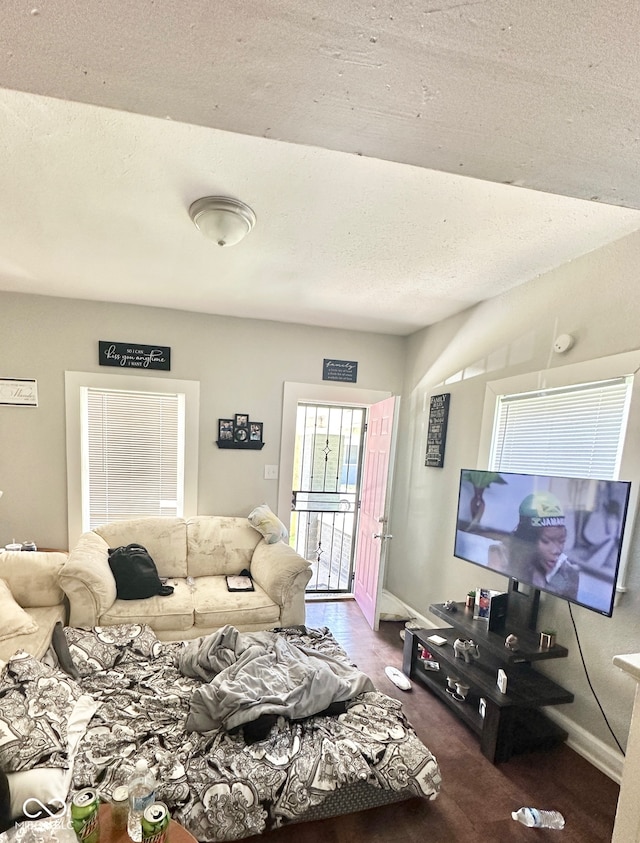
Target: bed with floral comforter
[{"x": 220, "y": 785}]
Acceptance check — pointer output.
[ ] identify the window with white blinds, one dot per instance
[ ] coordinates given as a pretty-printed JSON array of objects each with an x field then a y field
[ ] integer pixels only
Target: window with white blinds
[
  {"x": 133, "y": 454},
  {"x": 575, "y": 431}
]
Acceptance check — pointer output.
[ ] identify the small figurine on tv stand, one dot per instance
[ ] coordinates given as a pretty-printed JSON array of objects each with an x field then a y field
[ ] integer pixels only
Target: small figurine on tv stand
[
  {"x": 511, "y": 642},
  {"x": 466, "y": 649}
]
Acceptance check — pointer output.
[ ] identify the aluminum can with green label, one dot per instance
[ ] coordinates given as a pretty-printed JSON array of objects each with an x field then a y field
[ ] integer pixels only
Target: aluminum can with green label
[
  {"x": 85, "y": 818},
  {"x": 155, "y": 823}
]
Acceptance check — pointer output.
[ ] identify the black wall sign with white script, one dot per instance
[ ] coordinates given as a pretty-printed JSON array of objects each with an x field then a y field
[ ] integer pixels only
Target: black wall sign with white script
[
  {"x": 340, "y": 370},
  {"x": 437, "y": 430},
  {"x": 129, "y": 355}
]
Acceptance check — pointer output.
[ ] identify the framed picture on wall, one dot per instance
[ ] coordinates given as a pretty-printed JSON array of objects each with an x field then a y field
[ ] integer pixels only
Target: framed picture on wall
[
  {"x": 255, "y": 431},
  {"x": 242, "y": 420},
  {"x": 225, "y": 429}
]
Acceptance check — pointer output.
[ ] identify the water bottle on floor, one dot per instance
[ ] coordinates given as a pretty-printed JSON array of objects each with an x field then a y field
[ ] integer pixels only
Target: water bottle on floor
[
  {"x": 535, "y": 818},
  {"x": 142, "y": 793}
]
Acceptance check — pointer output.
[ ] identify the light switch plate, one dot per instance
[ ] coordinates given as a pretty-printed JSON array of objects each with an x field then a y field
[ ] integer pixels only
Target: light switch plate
[{"x": 271, "y": 472}]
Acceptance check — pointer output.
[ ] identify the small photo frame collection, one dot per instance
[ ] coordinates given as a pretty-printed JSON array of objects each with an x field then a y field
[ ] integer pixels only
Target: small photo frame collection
[{"x": 239, "y": 430}]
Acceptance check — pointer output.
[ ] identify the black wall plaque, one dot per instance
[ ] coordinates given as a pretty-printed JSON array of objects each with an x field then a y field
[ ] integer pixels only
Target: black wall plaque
[
  {"x": 340, "y": 370},
  {"x": 130, "y": 355},
  {"x": 437, "y": 431}
]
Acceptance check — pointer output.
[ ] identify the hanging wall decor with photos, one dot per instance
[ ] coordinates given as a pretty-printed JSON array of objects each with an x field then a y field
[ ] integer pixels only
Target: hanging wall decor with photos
[{"x": 240, "y": 432}]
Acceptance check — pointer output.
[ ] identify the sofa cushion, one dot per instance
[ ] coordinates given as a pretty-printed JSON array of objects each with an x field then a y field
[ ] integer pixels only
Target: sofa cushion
[
  {"x": 216, "y": 607},
  {"x": 219, "y": 545},
  {"x": 15, "y": 621},
  {"x": 174, "y": 612},
  {"x": 164, "y": 538}
]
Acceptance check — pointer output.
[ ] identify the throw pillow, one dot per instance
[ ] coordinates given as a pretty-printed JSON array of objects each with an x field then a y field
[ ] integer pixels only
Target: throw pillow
[
  {"x": 15, "y": 621},
  {"x": 268, "y": 524}
]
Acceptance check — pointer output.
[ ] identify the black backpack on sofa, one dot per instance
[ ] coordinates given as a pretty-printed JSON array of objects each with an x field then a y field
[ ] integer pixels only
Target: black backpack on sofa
[{"x": 135, "y": 573}]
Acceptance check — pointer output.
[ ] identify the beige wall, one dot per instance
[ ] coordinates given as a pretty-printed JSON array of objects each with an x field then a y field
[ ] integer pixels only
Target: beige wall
[
  {"x": 597, "y": 299},
  {"x": 241, "y": 366}
]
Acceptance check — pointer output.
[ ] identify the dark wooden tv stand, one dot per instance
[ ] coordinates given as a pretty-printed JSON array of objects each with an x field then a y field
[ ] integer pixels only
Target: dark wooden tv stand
[{"x": 512, "y": 722}]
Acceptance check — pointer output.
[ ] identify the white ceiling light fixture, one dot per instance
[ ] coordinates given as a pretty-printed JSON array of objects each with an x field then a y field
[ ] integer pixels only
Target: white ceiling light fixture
[{"x": 222, "y": 219}]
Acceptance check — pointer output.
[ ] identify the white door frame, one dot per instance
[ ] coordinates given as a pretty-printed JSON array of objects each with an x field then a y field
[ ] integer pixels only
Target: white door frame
[{"x": 317, "y": 394}]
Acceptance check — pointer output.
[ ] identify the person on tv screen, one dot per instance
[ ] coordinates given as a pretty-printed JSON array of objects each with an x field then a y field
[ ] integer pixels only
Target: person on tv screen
[{"x": 537, "y": 546}]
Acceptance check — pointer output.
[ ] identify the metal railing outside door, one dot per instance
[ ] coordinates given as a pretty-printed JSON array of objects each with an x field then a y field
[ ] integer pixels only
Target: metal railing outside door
[{"x": 326, "y": 489}]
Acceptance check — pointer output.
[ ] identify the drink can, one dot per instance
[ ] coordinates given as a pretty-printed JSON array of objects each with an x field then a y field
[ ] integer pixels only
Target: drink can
[
  {"x": 85, "y": 818},
  {"x": 155, "y": 823},
  {"x": 120, "y": 806}
]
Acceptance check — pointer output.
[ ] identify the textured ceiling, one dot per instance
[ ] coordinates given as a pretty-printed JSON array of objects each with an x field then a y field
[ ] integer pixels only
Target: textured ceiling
[{"x": 377, "y": 144}]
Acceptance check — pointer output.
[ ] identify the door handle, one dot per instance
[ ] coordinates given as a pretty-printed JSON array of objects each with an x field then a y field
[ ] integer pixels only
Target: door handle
[{"x": 382, "y": 536}]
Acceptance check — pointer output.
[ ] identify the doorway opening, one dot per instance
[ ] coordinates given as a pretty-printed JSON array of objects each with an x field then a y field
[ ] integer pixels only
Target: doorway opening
[{"x": 327, "y": 472}]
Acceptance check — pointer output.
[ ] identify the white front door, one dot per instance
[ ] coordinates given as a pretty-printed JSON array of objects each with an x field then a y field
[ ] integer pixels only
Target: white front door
[{"x": 373, "y": 535}]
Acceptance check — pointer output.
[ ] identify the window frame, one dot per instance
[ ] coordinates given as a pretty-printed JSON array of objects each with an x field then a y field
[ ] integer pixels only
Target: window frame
[
  {"x": 74, "y": 384},
  {"x": 603, "y": 368}
]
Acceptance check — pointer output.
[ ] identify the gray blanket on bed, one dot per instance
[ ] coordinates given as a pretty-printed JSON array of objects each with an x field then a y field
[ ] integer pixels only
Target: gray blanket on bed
[{"x": 251, "y": 674}]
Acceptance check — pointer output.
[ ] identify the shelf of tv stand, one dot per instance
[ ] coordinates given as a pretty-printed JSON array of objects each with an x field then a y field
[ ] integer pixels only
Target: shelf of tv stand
[
  {"x": 512, "y": 722},
  {"x": 529, "y": 649}
]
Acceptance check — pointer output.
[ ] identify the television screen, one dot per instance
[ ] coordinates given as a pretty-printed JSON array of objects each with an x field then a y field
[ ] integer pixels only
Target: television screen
[{"x": 562, "y": 535}]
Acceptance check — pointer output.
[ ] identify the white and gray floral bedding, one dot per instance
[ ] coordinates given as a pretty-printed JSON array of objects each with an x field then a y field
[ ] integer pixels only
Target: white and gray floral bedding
[
  {"x": 219, "y": 785},
  {"x": 35, "y": 704}
]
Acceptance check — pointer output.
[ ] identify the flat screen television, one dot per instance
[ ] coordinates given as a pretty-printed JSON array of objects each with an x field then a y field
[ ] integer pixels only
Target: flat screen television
[{"x": 560, "y": 535}]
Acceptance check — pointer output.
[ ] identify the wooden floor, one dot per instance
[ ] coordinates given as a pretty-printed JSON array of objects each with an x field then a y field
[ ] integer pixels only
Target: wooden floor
[{"x": 477, "y": 798}]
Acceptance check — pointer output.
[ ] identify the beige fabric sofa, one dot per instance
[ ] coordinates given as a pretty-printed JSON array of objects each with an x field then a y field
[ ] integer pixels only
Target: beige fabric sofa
[
  {"x": 32, "y": 578},
  {"x": 207, "y": 548}
]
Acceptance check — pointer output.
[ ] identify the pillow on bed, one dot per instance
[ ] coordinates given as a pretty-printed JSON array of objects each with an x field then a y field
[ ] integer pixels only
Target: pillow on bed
[
  {"x": 50, "y": 785},
  {"x": 15, "y": 621},
  {"x": 35, "y": 703},
  {"x": 268, "y": 524},
  {"x": 103, "y": 647}
]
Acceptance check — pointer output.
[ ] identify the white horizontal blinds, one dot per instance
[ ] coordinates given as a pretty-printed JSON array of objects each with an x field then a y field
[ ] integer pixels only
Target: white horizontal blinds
[
  {"x": 573, "y": 431},
  {"x": 134, "y": 455}
]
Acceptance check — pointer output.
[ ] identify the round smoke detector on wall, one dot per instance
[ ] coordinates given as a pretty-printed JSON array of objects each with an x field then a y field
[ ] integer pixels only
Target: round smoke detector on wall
[{"x": 563, "y": 343}]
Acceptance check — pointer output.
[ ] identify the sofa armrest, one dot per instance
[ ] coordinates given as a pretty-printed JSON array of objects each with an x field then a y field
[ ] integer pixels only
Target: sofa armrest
[
  {"x": 87, "y": 581},
  {"x": 284, "y": 575},
  {"x": 34, "y": 578}
]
